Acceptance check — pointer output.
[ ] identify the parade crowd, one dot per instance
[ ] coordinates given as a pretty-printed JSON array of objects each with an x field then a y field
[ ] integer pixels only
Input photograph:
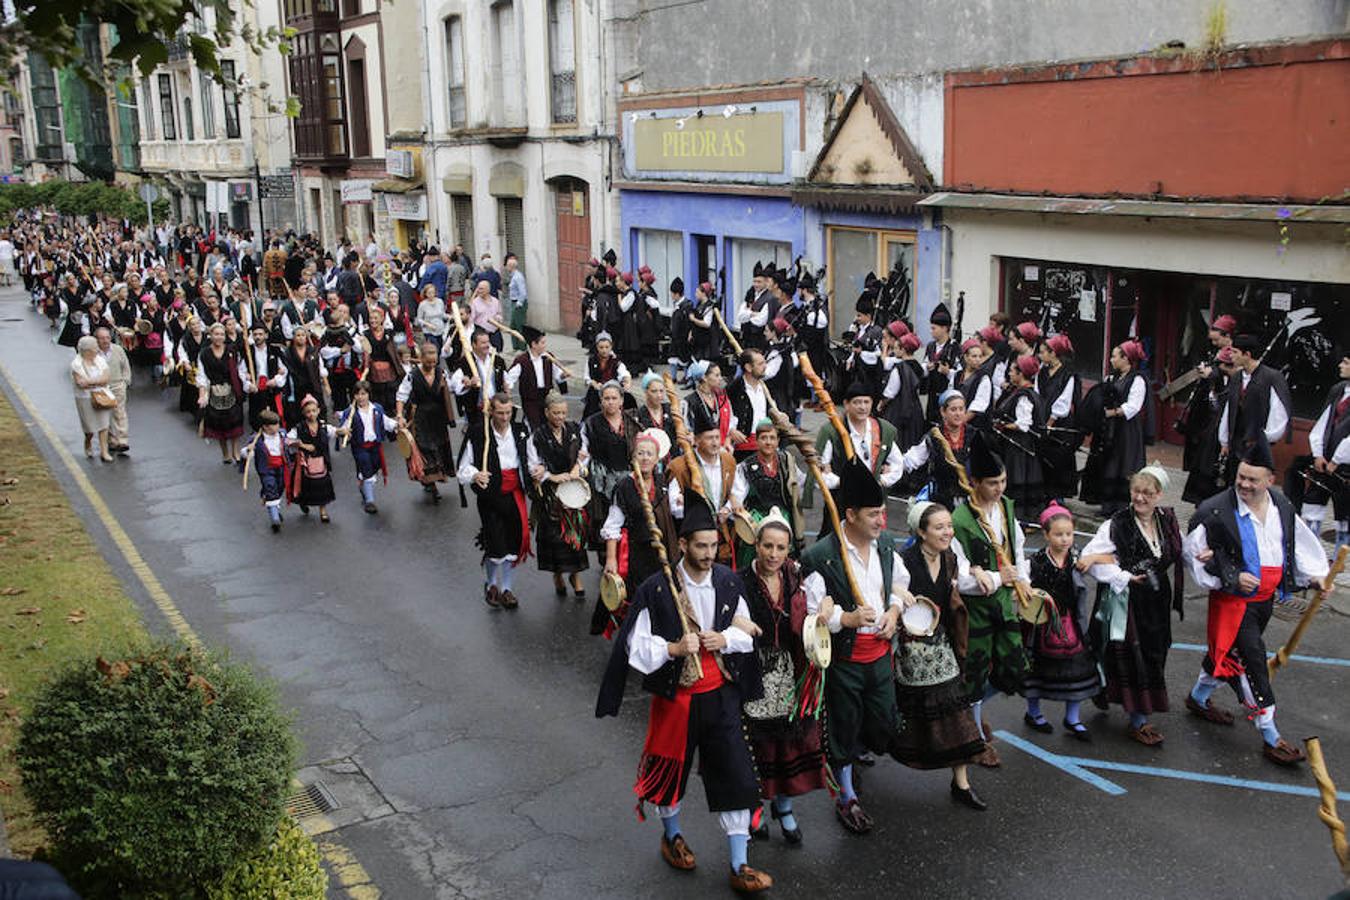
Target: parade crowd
[{"x": 784, "y": 659}]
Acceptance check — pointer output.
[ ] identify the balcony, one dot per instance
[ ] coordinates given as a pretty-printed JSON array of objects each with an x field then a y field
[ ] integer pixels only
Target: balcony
[{"x": 216, "y": 157}]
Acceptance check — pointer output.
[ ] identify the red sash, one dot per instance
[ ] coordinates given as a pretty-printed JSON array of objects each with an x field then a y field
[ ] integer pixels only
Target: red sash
[
  {"x": 667, "y": 739},
  {"x": 1225, "y": 616},
  {"x": 868, "y": 648},
  {"x": 511, "y": 485}
]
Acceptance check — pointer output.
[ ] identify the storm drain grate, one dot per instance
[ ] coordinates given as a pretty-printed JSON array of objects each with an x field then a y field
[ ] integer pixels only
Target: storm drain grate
[{"x": 311, "y": 800}]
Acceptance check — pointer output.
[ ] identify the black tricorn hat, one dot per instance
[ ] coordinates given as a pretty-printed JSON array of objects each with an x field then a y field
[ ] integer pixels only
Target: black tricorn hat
[
  {"x": 677, "y": 285},
  {"x": 610, "y": 257},
  {"x": 700, "y": 420},
  {"x": 1256, "y": 451},
  {"x": 941, "y": 315},
  {"x": 807, "y": 282},
  {"x": 531, "y": 333},
  {"x": 759, "y": 268},
  {"x": 697, "y": 516}
]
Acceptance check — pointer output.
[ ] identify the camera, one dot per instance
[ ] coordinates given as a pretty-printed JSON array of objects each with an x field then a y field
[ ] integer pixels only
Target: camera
[{"x": 1149, "y": 570}]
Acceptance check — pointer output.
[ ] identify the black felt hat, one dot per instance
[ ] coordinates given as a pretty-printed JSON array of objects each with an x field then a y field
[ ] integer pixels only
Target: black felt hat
[
  {"x": 759, "y": 269},
  {"x": 610, "y": 257},
  {"x": 677, "y": 285},
  {"x": 807, "y": 282},
  {"x": 856, "y": 389},
  {"x": 866, "y": 303},
  {"x": 531, "y": 333},
  {"x": 1256, "y": 451},
  {"x": 858, "y": 487},
  {"x": 700, "y": 420},
  {"x": 697, "y": 516},
  {"x": 941, "y": 316},
  {"x": 984, "y": 462}
]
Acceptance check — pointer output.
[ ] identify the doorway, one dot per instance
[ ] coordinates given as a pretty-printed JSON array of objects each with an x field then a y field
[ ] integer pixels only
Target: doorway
[
  {"x": 705, "y": 262},
  {"x": 572, "y": 205}
]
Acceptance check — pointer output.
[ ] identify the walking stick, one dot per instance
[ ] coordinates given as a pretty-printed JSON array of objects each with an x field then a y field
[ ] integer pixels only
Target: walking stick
[
  {"x": 1281, "y": 657},
  {"x": 1326, "y": 811}
]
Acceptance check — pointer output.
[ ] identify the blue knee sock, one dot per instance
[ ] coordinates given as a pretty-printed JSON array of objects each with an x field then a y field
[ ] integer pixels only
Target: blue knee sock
[
  {"x": 367, "y": 492},
  {"x": 672, "y": 826},
  {"x": 1071, "y": 711},
  {"x": 274, "y": 513},
  {"x": 977, "y": 710},
  {"x": 1269, "y": 733},
  {"x": 506, "y": 574},
  {"x": 1034, "y": 708},
  {"x": 1137, "y": 720},
  {"x": 740, "y": 845},
  {"x": 845, "y": 776},
  {"x": 489, "y": 572},
  {"x": 783, "y": 806},
  {"x": 1202, "y": 692}
]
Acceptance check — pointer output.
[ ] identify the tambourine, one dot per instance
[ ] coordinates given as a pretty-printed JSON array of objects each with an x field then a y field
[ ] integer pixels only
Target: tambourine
[
  {"x": 1039, "y": 609},
  {"x": 317, "y": 328},
  {"x": 404, "y": 440},
  {"x": 128, "y": 337},
  {"x": 920, "y": 619},
  {"x": 143, "y": 326},
  {"x": 573, "y": 494},
  {"x": 613, "y": 591},
  {"x": 743, "y": 523},
  {"x": 816, "y": 641}
]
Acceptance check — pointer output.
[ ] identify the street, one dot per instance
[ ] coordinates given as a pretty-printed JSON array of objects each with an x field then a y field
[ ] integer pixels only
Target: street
[{"x": 471, "y": 735}]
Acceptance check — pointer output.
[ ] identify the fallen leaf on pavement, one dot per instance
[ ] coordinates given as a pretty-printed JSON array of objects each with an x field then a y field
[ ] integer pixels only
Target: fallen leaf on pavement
[
  {"x": 28, "y": 611},
  {"x": 12, "y": 591},
  {"x": 76, "y": 616}
]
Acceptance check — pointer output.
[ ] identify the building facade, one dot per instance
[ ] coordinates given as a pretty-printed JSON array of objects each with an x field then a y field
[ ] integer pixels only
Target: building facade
[{"x": 518, "y": 154}]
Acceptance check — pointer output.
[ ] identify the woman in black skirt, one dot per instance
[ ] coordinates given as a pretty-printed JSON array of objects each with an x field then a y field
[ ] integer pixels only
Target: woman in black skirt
[
  {"x": 220, "y": 394},
  {"x": 1118, "y": 444},
  {"x": 1131, "y": 626},
  {"x": 1019, "y": 417},
  {"x": 187, "y": 350},
  {"x": 305, "y": 374},
  {"x": 607, "y": 439},
  {"x": 938, "y": 729},
  {"x": 1060, "y": 390},
  {"x": 561, "y": 533},
  {"x": 424, "y": 400},
  {"x": 313, "y": 484}
]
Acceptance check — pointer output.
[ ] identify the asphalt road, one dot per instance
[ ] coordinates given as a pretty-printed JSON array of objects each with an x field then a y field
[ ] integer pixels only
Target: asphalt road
[{"x": 476, "y": 727}]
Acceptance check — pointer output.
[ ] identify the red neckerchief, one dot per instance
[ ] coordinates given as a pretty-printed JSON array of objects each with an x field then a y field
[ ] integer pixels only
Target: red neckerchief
[
  {"x": 959, "y": 440},
  {"x": 770, "y": 469}
]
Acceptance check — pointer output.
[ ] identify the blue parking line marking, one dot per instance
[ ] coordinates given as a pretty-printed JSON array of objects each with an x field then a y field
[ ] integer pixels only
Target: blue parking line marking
[
  {"x": 1296, "y": 657},
  {"x": 1080, "y": 767},
  {"x": 1071, "y": 766}
]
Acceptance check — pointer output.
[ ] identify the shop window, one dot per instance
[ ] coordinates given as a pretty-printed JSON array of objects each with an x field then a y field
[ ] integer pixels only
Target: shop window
[
  {"x": 1061, "y": 298},
  {"x": 664, "y": 252},
  {"x": 855, "y": 252},
  {"x": 744, "y": 255}
]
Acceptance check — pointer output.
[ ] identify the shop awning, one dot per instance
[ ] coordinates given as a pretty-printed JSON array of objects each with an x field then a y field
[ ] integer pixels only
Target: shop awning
[
  {"x": 1252, "y": 212},
  {"x": 396, "y": 186},
  {"x": 857, "y": 199}
]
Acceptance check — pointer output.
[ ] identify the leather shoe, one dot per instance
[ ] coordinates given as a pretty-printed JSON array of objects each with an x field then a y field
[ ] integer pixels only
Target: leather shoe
[
  {"x": 1209, "y": 712},
  {"x": 750, "y": 881},
  {"x": 791, "y": 835},
  {"x": 968, "y": 797},
  {"x": 509, "y": 600},
  {"x": 1146, "y": 734},
  {"x": 492, "y": 596},
  {"x": 852, "y": 817},
  {"x": 1041, "y": 725},
  {"x": 1283, "y": 753},
  {"x": 1078, "y": 731},
  {"x": 677, "y": 854}
]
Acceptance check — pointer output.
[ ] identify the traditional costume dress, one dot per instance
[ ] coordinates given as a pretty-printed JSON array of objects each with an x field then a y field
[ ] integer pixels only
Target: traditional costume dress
[
  {"x": 272, "y": 459},
  {"x": 504, "y": 532},
  {"x": 1062, "y": 665},
  {"x": 1022, "y": 408},
  {"x": 370, "y": 428},
  {"x": 1281, "y": 552},
  {"x": 944, "y": 485},
  {"x": 873, "y": 441},
  {"x": 761, "y": 485},
  {"x": 608, "y": 453},
  {"x": 715, "y": 408},
  {"x": 267, "y": 378},
  {"x": 222, "y": 377},
  {"x": 561, "y": 534},
  {"x": 692, "y": 711},
  {"x": 1118, "y": 443},
  {"x": 937, "y": 728},
  {"x": 903, "y": 408},
  {"x": 977, "y": 388},
  {"x": 937, "y": 354},
  {"x": 1199, "y": 423},
  {"x": 429, "y": 409},
  {"x": 384, "y": 366},
  {"x": 710, "y": 487},
  {"x": 1131, "y": 628},
  {"x": 305, "y": 376},
  {"x": 187, "y": 352},
  {"x": 859, "y": 696},
  {"x": 662, "y": 420},
  {"x": 312, "y": 483},
  {"x": 1258, "y": 402},
  {"x": 996, "y": 660},
  {"x": 1059, "y": 390},
  {"x": 602, "y": 371},
  {"x": 637, "y": 559},
  {"x": 788, "y": 749},
  {"x": 749, "y": 404}
]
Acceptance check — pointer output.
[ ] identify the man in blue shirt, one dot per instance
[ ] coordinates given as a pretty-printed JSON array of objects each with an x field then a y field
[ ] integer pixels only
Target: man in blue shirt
[
  {"x": 433, "y": 272},
  {"x": 516, "y": 293}
]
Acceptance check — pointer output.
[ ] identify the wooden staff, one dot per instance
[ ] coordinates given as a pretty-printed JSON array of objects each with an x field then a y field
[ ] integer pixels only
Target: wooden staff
[
  {"x": 657, "y": 540},
  {"x": 509, "y": 330},
  {"x": 1326, "y": 811},
  {"x": 464, "y": 341},
  {"x": 807, "y": 447},
  {"x": 948, "y": 456},
  {"x": 1281, "y": 657},
  {"x": 487, "y": 415},
  {"x": 722, "y": 324}
]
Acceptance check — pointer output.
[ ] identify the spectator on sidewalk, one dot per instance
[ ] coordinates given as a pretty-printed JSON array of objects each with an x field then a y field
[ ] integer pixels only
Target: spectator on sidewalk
[
  {"x": 434, "y": 271},
  {"x": 456, "y": 278},
  {"x": 486, "y": 272},
  {"x": 485, "y": 310},
  {"x": 517, "y": 294},
  {"x": 119, "y": 379},
  {"x": 89, "y": 372}
]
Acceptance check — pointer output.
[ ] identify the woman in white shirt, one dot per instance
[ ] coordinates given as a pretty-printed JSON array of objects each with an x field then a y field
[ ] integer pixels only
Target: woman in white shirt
[{"x": 89, "y": 373}]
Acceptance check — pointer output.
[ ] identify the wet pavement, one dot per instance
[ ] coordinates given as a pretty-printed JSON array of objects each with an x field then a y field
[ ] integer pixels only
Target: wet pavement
[{"x": 485, "y": 774}]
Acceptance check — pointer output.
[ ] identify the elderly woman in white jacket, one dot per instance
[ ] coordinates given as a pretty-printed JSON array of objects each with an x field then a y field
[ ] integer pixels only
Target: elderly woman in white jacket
[{"x": 89, "y": 373}]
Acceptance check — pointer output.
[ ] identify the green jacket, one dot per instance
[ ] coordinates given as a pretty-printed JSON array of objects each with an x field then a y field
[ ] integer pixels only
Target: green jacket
[{"x": 978, "y": 550}]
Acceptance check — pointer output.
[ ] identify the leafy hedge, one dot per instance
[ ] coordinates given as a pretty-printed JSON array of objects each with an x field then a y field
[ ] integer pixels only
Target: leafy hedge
[
  {"x": 288, "y": 867},
  {"x": 157, "y": 773},
  {"x": 78, "y": 198}
]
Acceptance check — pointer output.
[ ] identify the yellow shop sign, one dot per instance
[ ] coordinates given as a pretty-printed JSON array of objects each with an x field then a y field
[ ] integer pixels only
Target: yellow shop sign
[{"x": 744, "y": 143}]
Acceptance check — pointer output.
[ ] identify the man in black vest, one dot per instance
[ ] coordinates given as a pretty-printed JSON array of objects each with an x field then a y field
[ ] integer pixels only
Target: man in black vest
[
  {"x": 749, "y": 399},
  {"x": 941, "y": 359},
  {"x": 1259, "y": 402},
  {"x": 501, "y": 490},
  {"x": 1329, "y": 442},
  {"x": 1246, "y": 547},
  {"x": 535, "y": 373},
  {"x": 266, "y": 375},
  {"x": 860, "y": 689},
  {"x": 696, "y": 654}
]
